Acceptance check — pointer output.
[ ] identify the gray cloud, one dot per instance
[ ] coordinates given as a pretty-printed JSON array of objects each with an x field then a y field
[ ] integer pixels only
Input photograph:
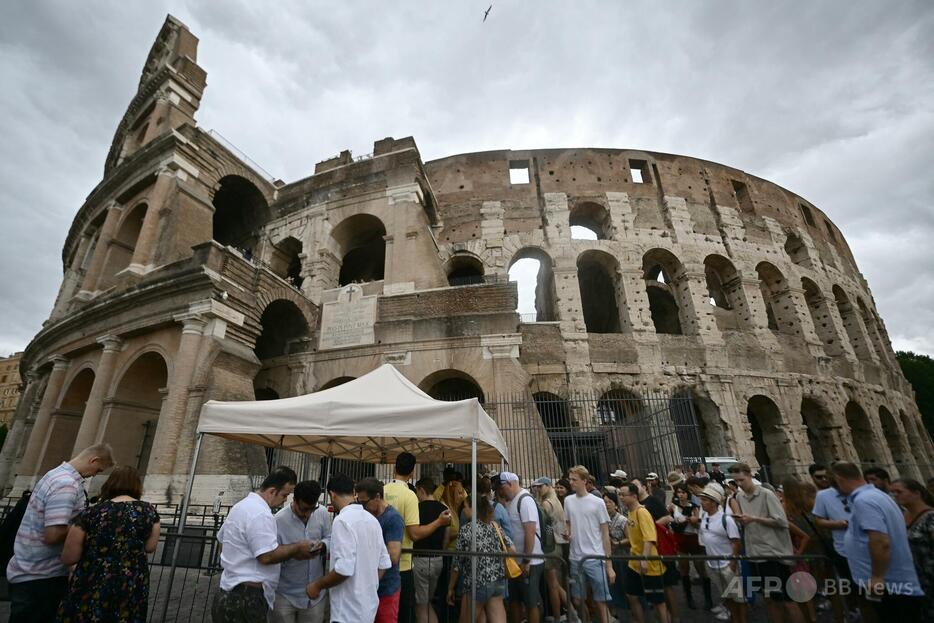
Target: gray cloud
[{"x": 834, "y": 100}]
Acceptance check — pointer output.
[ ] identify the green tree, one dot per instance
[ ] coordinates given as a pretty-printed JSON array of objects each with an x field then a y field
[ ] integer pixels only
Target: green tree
[{"x": 919, "y": 370}]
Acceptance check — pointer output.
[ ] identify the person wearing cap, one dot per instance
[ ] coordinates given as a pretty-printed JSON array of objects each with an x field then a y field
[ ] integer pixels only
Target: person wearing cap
[
  {"x": 618, "y": 477},
  {"x": 589, "y": 526},
  {"x": 523, "y": 519},
  {"x": 715, "y": 474},
  {"x": 721, "y": 538},
  {"x": 551, "y": 506},
  {"x": 654, "y": 487}
]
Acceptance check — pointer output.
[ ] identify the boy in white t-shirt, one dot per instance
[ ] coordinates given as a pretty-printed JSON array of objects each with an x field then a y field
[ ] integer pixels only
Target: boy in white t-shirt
[
  {"x": 721, "y": 538},
  {"x": 589, "y": 529}
]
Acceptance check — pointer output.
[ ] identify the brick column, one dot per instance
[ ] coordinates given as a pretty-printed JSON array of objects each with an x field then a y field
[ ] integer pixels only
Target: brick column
[
  {"x": 53, "y": 389},
  {"x": 144, "y": 253},
  {"x": 94, "y": 408},
  {"x": 108, "y": 229},
  {"x": 169, "y": 429}
]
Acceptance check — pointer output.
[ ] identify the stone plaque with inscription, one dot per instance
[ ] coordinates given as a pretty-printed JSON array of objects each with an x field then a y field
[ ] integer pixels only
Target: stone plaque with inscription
[{"x": 349, "y": 320}]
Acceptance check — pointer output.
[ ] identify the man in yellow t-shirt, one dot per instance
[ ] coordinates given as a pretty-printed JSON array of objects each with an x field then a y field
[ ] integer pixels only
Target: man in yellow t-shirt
[
  {"x": 404, "y": 500},
  {"x": 643, "y": 577}
]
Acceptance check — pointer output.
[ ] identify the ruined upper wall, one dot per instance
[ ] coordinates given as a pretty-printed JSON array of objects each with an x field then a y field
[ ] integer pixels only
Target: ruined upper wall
[{"x": 462, "y": 183}]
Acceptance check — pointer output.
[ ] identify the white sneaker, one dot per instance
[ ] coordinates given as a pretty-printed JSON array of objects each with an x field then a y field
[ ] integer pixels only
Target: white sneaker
[
  {"x": 722, "y": 616},
  {"x": 718, "y": 609}
]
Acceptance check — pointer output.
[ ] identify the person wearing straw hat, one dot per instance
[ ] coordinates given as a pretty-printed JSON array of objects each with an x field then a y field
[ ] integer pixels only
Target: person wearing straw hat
[{"x": 721, "y": 538}]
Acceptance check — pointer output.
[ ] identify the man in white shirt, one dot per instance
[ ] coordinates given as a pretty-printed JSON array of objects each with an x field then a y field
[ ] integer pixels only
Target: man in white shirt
[
  {"x": 589, "y": 527},
  {"x": 721, "y": 538},
  {"x": 304, "y": 518},
  {"x": 251, "y": 553},
  {"x": 526, "y": 535},
  {"x": 358, "y": 558}
]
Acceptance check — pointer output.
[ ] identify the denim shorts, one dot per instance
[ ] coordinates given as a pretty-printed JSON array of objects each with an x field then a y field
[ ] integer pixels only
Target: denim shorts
[
  {"x": 590, "y": 573},
  {"x": 485, "y": 592}
]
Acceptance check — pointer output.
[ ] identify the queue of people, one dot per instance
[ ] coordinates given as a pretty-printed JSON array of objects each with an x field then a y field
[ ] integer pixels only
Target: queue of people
[{"x": 398, "y": 552}]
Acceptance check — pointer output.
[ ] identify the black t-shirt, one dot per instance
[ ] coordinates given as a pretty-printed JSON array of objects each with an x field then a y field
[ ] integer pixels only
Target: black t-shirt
[
  {"x": 428, "y": 511},
  {"x": 655, "y": 506}
]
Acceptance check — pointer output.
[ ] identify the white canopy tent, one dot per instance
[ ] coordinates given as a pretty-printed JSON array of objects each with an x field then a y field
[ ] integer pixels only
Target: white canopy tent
[{"x": 371, "y": 419}]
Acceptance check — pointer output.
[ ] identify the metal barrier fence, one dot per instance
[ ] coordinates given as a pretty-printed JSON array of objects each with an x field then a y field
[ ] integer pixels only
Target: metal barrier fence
[{"x": 547, "y": 434}]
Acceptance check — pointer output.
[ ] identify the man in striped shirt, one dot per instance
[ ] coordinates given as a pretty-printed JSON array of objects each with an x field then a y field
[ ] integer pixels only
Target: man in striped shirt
[{"x": 38, "y": 579}]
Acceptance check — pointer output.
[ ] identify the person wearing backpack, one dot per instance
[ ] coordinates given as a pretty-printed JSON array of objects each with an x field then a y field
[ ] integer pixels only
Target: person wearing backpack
[
  {"x": 589, "y": 528},
  {"x": 526, "y": 528}
]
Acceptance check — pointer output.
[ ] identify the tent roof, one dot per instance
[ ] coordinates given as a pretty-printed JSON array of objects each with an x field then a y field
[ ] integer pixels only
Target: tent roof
[{"x": 372, "y": 419}]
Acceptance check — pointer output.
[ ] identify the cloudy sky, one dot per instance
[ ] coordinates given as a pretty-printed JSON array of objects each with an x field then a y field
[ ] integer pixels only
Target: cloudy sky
[{"x": 834, "y": 100}]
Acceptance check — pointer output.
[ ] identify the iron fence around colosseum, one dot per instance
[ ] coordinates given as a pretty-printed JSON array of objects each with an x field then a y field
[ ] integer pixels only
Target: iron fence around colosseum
[{"x": 547, "y": 434}]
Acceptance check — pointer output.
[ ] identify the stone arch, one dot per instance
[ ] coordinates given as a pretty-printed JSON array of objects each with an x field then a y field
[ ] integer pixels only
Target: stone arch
[
  {"x": 862, "y": 434},
  {"x": 229, "y": 169},
  {"x": 915, "y": 441},
  {"x": 664, "y": 285},
  {"x": 593, "y": 217},
  {"x": 819, "y": 424},
  {"x": 599, "y": 283},
  {"x": 797, "y": 251},
  {"x": 340, "y": 380},
  {"x": 554, "y": 411},
  {"x": 286, "y": 260},
  {"x": 568, "y": 444},
  {"x": 123, "y": 244},
  {"x": 725, "y": 292},
  {"x": 898, "y": 446},
  {"x": 451, "y": 384},
  {"x": 692, "y": 410},
  {"x": 851, "y": 323},
  {"x": 282, "y": 322},
  {"x": 545, "y": 299},
  {"x": 772, "y": 445},
  {"x": 66, "y": 419},
  {"x": 464, "y": 269},
  {"x": 266, "y": 296},
  {"x": 872, "y": 330},
  {"x": 773, "y": 287},
  {"x": 265, "y": 393},
  {"x": 132, "y": 412},
  {"x": 240, "y": 212},
  {"x": 361, "y": 239},
  {"x": 821, "y": 317}
]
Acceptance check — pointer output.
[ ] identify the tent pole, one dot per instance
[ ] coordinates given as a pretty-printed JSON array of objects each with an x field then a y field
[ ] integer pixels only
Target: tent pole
[
  {"x": 324, "y": 483},
  {"x": 181, "y": 524},
  {"x": 473, "y": 528}
]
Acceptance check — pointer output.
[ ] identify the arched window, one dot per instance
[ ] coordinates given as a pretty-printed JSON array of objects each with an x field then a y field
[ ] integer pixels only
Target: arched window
[
  {"x": 240, "y": 211},
  {"x": 66, "y": 420},
  {"x": 122, "y": 245},
  {"x": 820, "y": 426},
  {"x": 286, "y": 261},
  {"x": 618, "y": 406},
  {"x": 772, "y": 445},
  {"x": 861, "y": 433},
  {"x": 821, "y": 317},
  {"x": 464, "y": 270},
  {"x": 779, "y": 308},
  {"x": 590, "y": 221},
  {"x": 362, "y": 243},
  {"x": 851, "y": 323},
  {"x": 661, "y": 270},
  {"x": 132, "y": 416},
  {"x": 901, "y": 454},
  {"x": 532, "y": 270},
  {"x": 282, "y": 323},
  {"x": 451, "y": 385},
  {"x": 796, "y": 251},
  {"x": 598, "y": 279},
  {"x": 725, "y": 292}
]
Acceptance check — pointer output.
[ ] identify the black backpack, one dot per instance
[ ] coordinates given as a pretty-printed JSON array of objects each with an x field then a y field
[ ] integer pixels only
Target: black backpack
[
  {"x": 546, "y": 535},
  {"x": 9, "y": 528}
]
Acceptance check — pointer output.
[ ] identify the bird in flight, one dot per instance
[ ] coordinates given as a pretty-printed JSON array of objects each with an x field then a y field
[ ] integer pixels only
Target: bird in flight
[{"x": 487, "y": 12}]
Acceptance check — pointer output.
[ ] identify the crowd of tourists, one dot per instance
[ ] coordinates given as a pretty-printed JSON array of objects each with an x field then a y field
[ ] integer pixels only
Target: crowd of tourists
[{"x": 852, "y": 543}]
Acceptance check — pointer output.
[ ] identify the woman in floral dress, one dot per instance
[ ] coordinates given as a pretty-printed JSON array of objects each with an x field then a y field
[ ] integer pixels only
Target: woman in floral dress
[
  {"x": 108, "y": 543},
  {"x": 917, "y": 501}
]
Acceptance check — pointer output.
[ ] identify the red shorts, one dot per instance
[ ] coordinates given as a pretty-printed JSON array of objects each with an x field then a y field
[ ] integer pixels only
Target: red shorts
[
  {"x": 388, "y": 610},
  {"x": 688, "y": 544}
]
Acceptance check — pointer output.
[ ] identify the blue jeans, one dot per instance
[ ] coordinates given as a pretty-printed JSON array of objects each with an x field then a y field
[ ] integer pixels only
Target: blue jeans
[{"x": 589, "y": 573}]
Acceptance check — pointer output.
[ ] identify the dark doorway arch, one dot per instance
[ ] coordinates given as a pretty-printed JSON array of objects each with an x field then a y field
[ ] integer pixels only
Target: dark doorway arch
[
  {"x": 772, "y": 445},
  {"x": 598, "y": 279},
  {"x": 282, "y": 323},
  {"x": 362, "y": 242},
  {"x": 592, "y": 217},
  {"x": 286, "y": 260},
  {"x": 819, "y": 424},
  {"x": 66, "y": 420},
  {"x": 336, "y": 382},
  {"x": 864, "y": 440},
  {"x": 240, "y": 211},
  {"x": 464, "y": 270},
  {"x": 451, "y": 385},
  {"x": 660, "y": 270}
]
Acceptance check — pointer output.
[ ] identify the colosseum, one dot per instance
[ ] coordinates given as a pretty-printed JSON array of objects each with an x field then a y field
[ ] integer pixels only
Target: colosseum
[{"x": 662, "y": 280}]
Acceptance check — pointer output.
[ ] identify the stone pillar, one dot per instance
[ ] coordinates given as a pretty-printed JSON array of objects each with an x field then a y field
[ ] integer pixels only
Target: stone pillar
[
  {"x": 144, "y": 253},
  {"x": 15, "y": 437},
  {"x": 108, "y": 229},
  {"x": 691, "y": 293},
  {"x": 30, "y": 462},
  {"x": 90, "y": 422},
  {"x": 169, "y": 429}
]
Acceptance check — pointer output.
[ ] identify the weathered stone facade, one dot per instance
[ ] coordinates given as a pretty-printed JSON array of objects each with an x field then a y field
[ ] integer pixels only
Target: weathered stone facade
[
  {"x": 189, "y": 276},
  {"x": 9, "y": 387}
]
